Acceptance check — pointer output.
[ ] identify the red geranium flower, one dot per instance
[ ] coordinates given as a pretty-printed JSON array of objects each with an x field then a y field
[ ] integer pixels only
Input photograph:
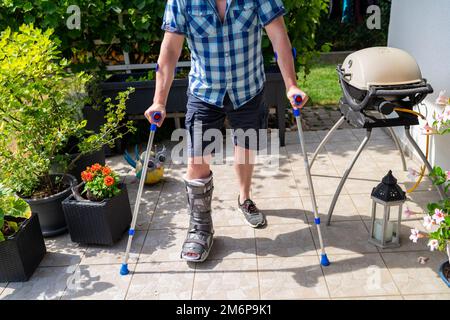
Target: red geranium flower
[
  {"x": 96, "y": 167},
  {"x": 106, "y": 171},
  {"x": 109, "y": 181},
  {"x": 87, "y": 176}
]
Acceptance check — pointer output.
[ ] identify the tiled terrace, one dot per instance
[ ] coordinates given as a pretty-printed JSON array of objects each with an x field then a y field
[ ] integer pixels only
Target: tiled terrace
[{"x": 278, "y": 262}]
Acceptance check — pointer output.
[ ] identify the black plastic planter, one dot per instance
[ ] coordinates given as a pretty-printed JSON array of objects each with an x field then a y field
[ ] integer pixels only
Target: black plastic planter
[
  {"x": 100, "y": 223},
  {"x": 87, "y": 160},
  {"x": 21, "y": 254},
  {"x": 51, "y": 215},
  {"x": 275, "y": 96},
  {"x": 444, "y": 273},
  {"x": 140, "y": 100}
]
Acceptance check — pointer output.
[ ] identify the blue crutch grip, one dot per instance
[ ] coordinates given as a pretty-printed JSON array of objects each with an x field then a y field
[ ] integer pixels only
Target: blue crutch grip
[
  {"x": 124, "y": 269},
  {"x": 294, "y": 53},
  {"x": 324, "y": 260},
  {"x": 156, "y": 118},
  {"x": 298, "y": 102},
  {"x": 276, "y": 56}
]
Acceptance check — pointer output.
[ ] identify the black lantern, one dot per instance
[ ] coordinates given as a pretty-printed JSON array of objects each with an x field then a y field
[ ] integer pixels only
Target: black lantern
[{"x": 388, "y": 194}]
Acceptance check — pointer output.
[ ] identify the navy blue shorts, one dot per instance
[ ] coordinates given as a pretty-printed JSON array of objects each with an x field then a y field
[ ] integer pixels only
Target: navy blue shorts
[{"x": 249, "y": 124}]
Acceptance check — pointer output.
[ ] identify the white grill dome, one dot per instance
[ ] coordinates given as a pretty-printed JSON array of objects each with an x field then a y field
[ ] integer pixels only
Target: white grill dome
[{"x": 380, "y": 66}]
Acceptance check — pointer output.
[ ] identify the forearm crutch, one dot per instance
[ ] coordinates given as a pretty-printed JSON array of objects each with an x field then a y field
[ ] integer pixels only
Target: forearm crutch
[
  {"x": 298, "y": 101},
  {"x": 156, "y": 117}
]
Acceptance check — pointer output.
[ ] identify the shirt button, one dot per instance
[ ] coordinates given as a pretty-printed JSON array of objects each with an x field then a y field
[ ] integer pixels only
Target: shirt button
[{"x": 226, "y": 54}]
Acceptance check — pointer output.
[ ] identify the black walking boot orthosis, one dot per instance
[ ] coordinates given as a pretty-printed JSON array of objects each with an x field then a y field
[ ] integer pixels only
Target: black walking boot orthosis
[{"x": 199, "y": 238}]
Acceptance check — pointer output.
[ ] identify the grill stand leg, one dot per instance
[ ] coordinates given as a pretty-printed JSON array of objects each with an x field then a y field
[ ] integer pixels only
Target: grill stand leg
[
  {"x": 440, "y": 189},
  {"x": 325, "y": 140},
  {"x": 347, "y": 173},
  {"x": 399, "y": 147}
]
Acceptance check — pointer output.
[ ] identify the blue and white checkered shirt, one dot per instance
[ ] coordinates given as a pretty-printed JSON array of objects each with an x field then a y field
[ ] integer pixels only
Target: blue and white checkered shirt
[{"x": 226, "y": 57}]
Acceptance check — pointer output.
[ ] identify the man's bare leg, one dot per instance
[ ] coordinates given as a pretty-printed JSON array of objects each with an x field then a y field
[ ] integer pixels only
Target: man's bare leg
[
  {"x": 244, "y": 166},
  {"x": 198, "y": 168},
  {"x": 244, "y": 160}
]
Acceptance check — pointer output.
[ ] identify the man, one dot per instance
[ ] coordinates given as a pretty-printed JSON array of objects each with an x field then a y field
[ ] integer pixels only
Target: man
[{"x": 226, "y": 80}]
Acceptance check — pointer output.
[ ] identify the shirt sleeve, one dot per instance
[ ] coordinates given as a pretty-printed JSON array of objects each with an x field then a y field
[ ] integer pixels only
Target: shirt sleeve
[
  {"x": 174, "y": 18},
  {"x": 269, "y": 10}
]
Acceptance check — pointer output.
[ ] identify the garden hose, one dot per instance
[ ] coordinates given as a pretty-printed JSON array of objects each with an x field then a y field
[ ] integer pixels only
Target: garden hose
[{"x": 422, "y": 169}]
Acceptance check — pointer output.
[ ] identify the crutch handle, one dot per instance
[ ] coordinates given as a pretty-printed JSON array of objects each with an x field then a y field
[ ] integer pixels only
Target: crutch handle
[
  {"x": 156, "y": 118},
  {"x": 298, "y": 100}
]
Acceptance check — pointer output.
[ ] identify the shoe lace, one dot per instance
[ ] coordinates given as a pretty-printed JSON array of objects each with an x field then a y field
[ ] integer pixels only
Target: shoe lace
[{"x": 250, "y": 206}]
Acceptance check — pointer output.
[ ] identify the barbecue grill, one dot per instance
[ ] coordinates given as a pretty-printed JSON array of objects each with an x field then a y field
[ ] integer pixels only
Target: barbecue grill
[{"x": 376, "y": 83}]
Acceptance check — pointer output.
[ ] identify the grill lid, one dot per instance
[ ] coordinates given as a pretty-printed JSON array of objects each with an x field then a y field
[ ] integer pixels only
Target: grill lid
[{"x": 380, "y": 66}]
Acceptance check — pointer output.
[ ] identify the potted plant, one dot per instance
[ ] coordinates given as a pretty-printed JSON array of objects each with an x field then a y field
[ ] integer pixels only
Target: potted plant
[
  {"x": 41, "y": 106},
  {"x": 88, "y": 144},
  {"x": 22, "y": 246},
  {"x": 437, "y": 219},
  {"x": 98, "y": 211}
]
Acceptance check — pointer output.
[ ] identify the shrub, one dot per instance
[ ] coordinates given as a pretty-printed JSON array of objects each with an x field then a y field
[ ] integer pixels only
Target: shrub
[
  {"x": 136, "y": 25},
  {"x": 40, "y": 109}
]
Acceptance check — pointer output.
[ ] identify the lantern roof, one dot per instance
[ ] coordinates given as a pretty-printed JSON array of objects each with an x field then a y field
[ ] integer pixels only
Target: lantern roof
[{"x": 388, "y": 191}]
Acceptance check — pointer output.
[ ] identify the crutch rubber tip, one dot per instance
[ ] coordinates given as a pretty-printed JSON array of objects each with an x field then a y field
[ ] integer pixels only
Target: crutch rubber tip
[
  {"x": 324, "y": 260},
  {"x": 124, "y": 270}
]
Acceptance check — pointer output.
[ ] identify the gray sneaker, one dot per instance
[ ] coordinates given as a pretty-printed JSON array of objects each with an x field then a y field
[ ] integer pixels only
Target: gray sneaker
[{"x": 253, "y": 216}]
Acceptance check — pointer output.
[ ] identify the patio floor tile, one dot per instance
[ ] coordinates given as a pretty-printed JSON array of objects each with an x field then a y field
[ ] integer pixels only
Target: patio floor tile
[
  {"x": 114, "y": 254},
  {"x": 274, "y": 188},
  {"x": 226, "y": 213},
  {"x": 359, "y": 275},
  {"x": 324, "y": 185},
  {"x": 291, "y": 240},
  {"x": 233, "y": 243},
  {"x": 371, "y": 298},
  {"x": 430, "y": 297},
  {"x": 163, "y": 245},
  {"x": 150, "y": 194},
  {"x": 225, "y": 189},
  {"x": 2, "y": 287},
  {"x": 62, "y": 252},
  {"x": 161, "y": 281},
  {"x": 363, "y": 182},
  {"x": 98, "y": 282},
  {"x": 46, "y": 284},
  {"x": 235, "y": 279},
  {"x": 345, "y": 210},
  {"x": 170, "y": 214},
  {"x": 291, "y": 278},
  {"x": 280, "y": 210},
  {"x": 345, "y": 237},
  {"x": 411, "y": 277}
]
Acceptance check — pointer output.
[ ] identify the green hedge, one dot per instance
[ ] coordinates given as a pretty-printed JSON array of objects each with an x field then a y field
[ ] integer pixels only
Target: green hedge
[{"x": 139, "y": 33}]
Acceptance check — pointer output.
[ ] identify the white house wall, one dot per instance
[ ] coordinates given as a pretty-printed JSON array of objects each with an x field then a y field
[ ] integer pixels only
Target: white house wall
[{"x": 422, "y": 28}]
